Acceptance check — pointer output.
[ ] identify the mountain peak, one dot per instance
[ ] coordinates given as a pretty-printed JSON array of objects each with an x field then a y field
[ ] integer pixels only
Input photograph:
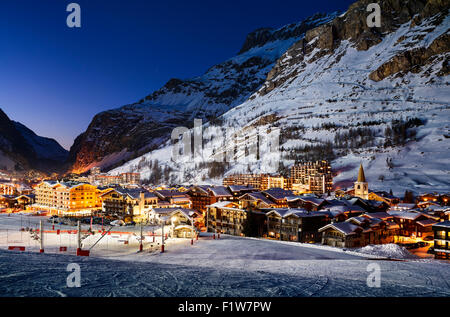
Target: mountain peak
[{"x": 21, "y": 148}]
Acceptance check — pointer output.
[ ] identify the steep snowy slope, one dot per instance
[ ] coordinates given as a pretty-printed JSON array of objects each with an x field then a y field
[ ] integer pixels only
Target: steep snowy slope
[
  {"x": 352, "y": 94},
  {"x": 124, "y": 133}
]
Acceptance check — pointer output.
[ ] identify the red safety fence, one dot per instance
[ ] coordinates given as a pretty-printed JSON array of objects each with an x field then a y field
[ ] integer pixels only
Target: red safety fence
[{"x": 16, "y": 248}]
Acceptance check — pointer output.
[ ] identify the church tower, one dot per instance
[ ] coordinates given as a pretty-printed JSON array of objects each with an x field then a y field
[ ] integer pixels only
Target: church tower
[{"x": 361, "y": 186}]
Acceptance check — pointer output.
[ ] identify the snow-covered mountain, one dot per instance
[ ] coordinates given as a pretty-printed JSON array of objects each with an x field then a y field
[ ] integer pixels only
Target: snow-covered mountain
[
  {"x": 349, "y": 93},
  {"x": 117, "y": 135},
  {"x": 21, "y": 149}
]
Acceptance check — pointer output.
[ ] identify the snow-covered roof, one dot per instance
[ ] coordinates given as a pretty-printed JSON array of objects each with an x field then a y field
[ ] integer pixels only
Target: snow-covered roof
[
  {"x": 165, "y": 193},
  {"x": 443, "y": 224},
  {"x": 381, "y": 215},
  {"x": 358, "y": 220},
  {"x": 171, "y": 211},
  {"x": 426, "y": 222},
  {"x": 406, "y": 215},
  {"x": 258, "y": 196},
  {"x": 296, "y": 212},
  {"x": 313, "y": 200},
  {"x": 202, "y": 188},
  {"x": 405, "y": 205},
  {"x": 278, "y": 193},
  {"x": 344, "y": 209},
  {"x": 238, "y": 188},
  {"x": 220, "y": 191},
  {"x": 221, "y": 204},
  {"x": 385, "y": 195},
  {"x": 346, "y": 228}
]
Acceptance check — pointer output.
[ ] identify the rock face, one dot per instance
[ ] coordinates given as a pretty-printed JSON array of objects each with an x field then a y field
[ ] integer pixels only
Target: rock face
[
  {"x": 118, "y": 135},
  {"x": 347, "y": 93},
  {"x": 352, "y": 27},
  {"x": 21, "y": 149},
  {"x": 413, "y": 60}
]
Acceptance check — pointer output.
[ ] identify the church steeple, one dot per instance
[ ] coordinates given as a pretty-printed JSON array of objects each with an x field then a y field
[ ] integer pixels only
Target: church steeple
[
  {"x": 361, "y": 186},
  {"x": 361, "y": 176}
]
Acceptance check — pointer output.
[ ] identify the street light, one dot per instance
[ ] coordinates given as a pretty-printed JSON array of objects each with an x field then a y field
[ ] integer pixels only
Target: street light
[{"x": 162, "y": 236}]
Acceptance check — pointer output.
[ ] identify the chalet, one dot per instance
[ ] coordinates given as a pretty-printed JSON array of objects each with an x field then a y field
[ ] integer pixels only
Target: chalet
[
  {"x": 380, "y": 215},
  {"x": 359, "y": 231},
  {"x": 413, "y": 224},
  {"x": 375, "y": 230},
  {"x": 200, "y": 197},
  {"x": 369, "y": 205},
  {"x": 341, "y": 234},
  {"x": 439, "y": 213},
  {"x": 295, "y": 224},
  {"x": 256, "y": 200},
  {"x": 240, "y": 190},
  {"x": 342, "y": 209},
  {"x": 344, "y": 193},
  {"x": 22, "y": 201},
  {"x": 310, "y": 203},
  {"x": 160, "y": 215},
  {"x": 181, "y": 222},
  {"x": 389, "y": 199},
  {"x": 226, "y": 217},
  {"x": 204, "y": 195},
  {"x": 7, "y": 201},
  {"x": 447, "y": 215},
  {"x": 426, "y": 204},
  {"x": 8, "y": 188},
  {"x": 445, "y": 199},
  {"x": 403, "y": 206},
  {"x": 279, "y": 196},
  {"x": 441, "y": 232},
  {"x": 428, "y": 198},
  {"x": 123, "y": 202},
  {"x": 173, "y": 198}
]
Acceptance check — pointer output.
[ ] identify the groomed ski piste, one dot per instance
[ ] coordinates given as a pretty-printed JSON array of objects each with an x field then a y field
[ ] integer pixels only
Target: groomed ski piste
[{"x": 229, "y": 266}]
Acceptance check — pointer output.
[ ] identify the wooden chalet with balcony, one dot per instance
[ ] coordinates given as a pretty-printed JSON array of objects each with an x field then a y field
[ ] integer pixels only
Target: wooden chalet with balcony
[
  {"x": 295, "y": 224},
  {"x": 226, "y": 217}
]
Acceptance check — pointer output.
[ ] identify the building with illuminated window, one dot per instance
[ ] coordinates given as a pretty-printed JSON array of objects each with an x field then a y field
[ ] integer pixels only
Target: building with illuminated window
[
  {"x": 311, "y": 177},
  {"x": 257, "y": 181},
  {"x": 442, "y": 240},
  {"x": 59, "y": 197}
]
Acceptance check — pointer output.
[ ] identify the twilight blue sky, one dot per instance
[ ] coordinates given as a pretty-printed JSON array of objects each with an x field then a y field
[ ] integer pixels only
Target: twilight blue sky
[{"x": 54, "y": 79}]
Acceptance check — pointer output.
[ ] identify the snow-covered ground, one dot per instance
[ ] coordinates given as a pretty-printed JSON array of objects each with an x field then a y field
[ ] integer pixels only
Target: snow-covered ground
[
  {"x": 388, "y": 251},
  {"x": 229, "y": 266}
]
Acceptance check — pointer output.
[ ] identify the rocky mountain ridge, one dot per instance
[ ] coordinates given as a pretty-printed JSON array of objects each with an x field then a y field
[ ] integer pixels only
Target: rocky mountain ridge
[
  {"x": 21, "y": 149},
  {"x": 118, "y": 135}
]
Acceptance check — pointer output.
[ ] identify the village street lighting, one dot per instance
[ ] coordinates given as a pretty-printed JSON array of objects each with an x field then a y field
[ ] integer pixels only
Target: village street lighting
[
  {"x": 41, "y": 231},
  {"x": 192, "y": 233},
  {"x": 162, "y": 236}
]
